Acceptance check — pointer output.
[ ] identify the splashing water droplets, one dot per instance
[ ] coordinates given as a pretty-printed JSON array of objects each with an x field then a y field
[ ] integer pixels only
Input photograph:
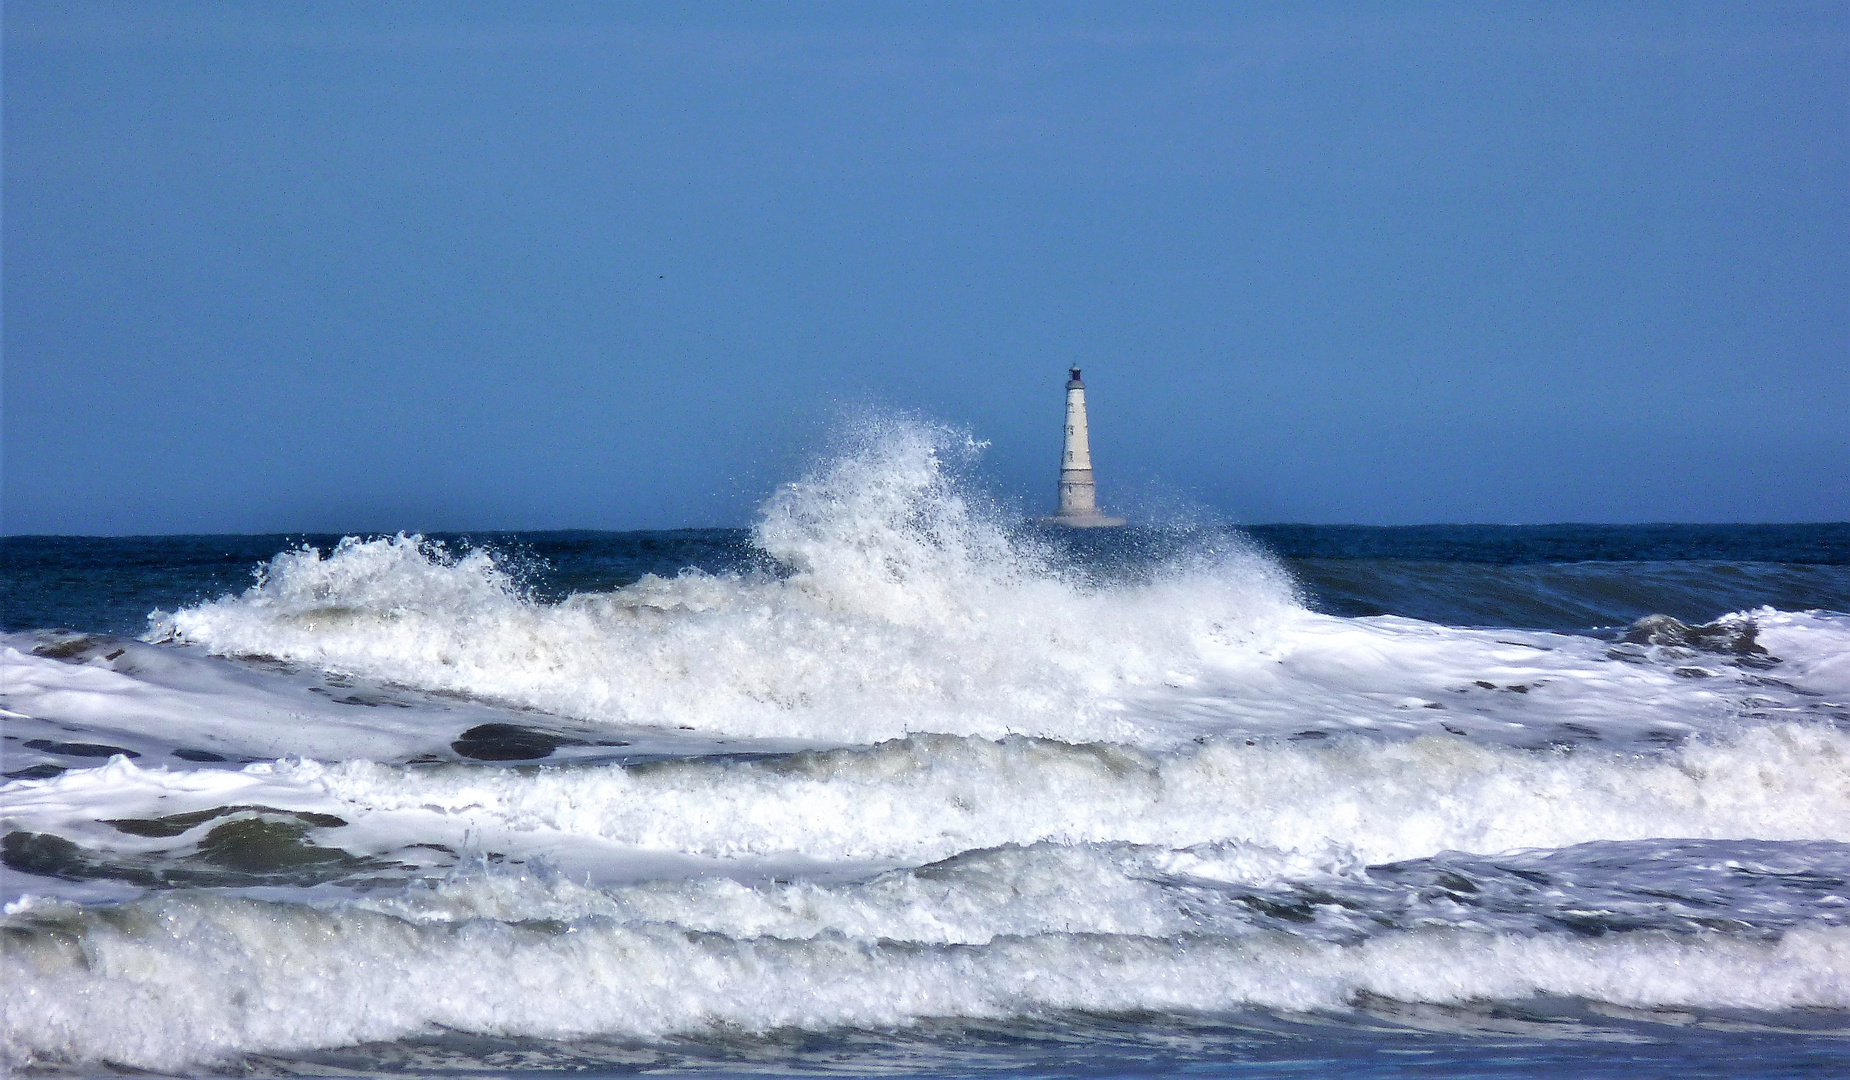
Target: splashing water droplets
[{"x": 904, "y": 603}]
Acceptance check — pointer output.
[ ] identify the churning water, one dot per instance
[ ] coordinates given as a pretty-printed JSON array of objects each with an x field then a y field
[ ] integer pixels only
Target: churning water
[{"x": 894, "y": 784}]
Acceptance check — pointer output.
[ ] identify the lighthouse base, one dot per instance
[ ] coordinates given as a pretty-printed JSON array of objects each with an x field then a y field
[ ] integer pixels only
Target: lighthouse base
[{"x": 1084, "y": 521}]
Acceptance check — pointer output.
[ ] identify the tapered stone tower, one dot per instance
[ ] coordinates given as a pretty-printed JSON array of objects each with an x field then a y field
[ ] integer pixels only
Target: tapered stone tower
[{"x": 1078, "y": 493}]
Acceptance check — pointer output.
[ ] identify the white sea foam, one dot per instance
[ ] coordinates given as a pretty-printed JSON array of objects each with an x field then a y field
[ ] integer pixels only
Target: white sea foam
[
  {"x": 901, "y": 607},
  {"x": 146, "y": 698},
  {"x": 155, "y": 699},
  {"x": 181, "y": 979},
  {"x": 928, "y": 797},
  {"x": 1226, "y": 889}
]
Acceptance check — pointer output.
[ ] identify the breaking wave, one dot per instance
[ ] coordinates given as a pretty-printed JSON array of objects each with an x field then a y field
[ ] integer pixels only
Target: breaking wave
[
  {"x": 896, "y": 602},
  {"x": 896, "y": 605},
  {"x": 180, "y": 979}
]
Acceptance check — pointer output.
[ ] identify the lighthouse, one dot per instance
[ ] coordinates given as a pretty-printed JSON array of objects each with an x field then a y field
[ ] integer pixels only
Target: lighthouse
[{"x": 1078, "y": 494}]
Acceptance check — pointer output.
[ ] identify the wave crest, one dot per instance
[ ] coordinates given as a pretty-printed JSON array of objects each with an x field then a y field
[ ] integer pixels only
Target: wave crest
[{"x": 901, "y": 603}]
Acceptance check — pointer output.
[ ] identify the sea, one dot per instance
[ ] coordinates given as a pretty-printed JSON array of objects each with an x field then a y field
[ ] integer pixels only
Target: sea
[{"x": 900, "y": 781}]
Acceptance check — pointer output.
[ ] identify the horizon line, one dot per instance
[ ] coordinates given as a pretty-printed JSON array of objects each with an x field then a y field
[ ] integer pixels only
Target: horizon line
[{"x": 4, "y": 536}]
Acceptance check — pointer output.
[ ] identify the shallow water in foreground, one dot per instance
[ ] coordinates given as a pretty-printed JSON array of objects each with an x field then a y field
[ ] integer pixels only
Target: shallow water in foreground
[{"x": 888, "y": 785}]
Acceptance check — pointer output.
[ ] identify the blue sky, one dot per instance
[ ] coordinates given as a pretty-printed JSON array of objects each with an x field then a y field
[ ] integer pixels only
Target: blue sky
[{"x": 551, "y": 266}]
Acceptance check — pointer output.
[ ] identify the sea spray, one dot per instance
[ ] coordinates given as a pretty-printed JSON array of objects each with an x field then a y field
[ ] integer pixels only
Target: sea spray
[{"x": 897, "y": 604}]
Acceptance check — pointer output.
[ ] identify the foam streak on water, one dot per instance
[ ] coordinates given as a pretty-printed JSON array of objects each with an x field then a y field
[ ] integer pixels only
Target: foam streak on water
[{"x": 919, "y": 765}]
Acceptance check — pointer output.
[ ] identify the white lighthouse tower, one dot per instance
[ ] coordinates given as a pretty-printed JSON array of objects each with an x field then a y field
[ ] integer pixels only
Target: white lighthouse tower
[{"x": 1078, "y": 494}]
